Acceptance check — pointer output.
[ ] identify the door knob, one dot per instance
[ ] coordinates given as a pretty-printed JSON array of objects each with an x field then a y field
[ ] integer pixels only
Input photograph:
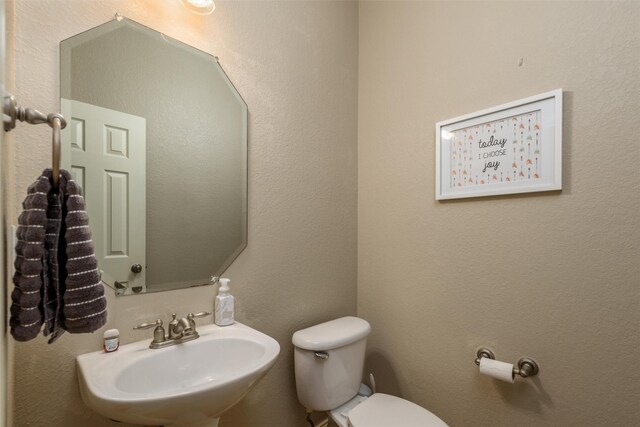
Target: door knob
[{"x": 136, "y": 268}]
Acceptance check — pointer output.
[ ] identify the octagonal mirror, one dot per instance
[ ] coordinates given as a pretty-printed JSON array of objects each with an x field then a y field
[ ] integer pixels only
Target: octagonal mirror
[{"x": 157, "y": 138}]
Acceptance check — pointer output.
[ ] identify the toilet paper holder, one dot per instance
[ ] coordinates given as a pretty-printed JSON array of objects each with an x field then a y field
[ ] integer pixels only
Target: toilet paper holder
[{"x": 526, "y": 366}]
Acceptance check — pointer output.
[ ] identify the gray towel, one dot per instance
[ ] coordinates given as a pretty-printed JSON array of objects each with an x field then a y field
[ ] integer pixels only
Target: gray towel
[
  {"x": 84, "y": 305},
  {"x": 53, "y": 282},
  {"x": 57, "y": 281},
  {"x": 27, "y": 308}
]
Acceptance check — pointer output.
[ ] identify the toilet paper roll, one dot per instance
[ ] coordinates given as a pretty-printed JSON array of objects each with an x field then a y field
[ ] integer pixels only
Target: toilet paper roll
[{"x": 494, "y": 368}]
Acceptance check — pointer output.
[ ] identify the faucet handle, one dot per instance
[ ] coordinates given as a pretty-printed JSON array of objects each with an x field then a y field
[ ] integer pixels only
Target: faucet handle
[
  {"x": 201, "y": 314},
  {"x": 192, "y": 316},
  {"x": 148, "y": 325},
  {"x": 158, "y": 333}
]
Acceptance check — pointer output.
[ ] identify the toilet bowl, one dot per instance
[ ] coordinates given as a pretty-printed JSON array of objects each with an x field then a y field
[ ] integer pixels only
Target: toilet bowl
[{"x": 329, "y": 361}]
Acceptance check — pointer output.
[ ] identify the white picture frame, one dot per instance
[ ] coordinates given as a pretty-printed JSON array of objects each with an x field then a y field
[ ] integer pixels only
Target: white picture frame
[{"x": 512, "y": 148}]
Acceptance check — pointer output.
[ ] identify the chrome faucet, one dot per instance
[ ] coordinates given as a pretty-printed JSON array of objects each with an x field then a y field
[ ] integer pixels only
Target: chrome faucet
[{"x": 180, "y": 330}]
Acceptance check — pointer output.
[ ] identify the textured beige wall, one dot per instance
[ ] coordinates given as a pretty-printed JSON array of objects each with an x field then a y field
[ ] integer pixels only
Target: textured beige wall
[
  {"x": 554, "y": 276},
  {"x": 4, "y": 278},
  {"x": 7, "y": 178},
  {"x": 295, "y": 64},
  {"x": 4, "y": 214}
]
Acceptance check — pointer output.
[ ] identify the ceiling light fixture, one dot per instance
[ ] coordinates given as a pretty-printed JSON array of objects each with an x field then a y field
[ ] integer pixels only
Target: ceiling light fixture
[{"x": 200, "y": 7}]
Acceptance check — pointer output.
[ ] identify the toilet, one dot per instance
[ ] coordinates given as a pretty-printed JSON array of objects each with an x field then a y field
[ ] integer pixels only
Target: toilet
[{"x": 329, "y": 360}]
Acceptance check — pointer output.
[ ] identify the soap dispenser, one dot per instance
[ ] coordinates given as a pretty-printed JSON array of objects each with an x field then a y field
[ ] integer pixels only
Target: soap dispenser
[{"x": 224, "y": 306}]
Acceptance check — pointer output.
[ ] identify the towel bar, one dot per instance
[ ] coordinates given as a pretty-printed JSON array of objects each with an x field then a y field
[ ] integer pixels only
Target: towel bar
[{"x": 13, "y": 112}]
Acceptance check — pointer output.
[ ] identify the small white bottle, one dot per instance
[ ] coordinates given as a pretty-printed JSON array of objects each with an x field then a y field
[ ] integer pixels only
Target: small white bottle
[
  {"x": 224, "y": 306},
  {"x": 111, "y": 340}
]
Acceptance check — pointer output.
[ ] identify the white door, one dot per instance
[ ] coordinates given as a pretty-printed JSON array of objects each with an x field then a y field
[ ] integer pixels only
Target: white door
[{"x": 104, "y": 150}]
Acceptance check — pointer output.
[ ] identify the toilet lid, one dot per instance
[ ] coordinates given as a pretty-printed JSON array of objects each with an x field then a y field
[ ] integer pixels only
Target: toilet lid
[{"x": 383, "y": 410}]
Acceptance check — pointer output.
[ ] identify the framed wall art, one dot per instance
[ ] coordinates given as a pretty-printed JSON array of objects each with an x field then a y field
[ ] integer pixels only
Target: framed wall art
[{"x": 511, "y": 148}]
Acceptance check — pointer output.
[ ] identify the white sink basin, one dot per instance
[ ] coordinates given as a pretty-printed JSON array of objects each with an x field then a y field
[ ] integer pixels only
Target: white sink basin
[{"x": 189, "y": 384}]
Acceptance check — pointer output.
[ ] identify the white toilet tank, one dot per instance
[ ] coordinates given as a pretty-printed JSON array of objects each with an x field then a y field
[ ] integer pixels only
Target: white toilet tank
[{"x": 324, "y": 383}]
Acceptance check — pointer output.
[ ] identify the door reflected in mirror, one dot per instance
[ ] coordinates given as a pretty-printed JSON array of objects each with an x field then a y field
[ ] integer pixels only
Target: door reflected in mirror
[{"x": 157, "y": 138}]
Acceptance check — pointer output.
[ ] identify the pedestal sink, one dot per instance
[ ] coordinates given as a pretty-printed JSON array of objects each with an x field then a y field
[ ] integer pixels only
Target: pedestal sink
[{"x": 187, "y": 385}]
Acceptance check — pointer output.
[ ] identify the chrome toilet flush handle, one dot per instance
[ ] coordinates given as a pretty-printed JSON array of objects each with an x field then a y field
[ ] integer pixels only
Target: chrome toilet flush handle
[{"x": 321, "y": 355}]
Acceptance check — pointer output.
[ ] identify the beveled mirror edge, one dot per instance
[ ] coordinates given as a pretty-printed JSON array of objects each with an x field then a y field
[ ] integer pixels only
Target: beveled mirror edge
[{"x": 65, "y": 86}]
